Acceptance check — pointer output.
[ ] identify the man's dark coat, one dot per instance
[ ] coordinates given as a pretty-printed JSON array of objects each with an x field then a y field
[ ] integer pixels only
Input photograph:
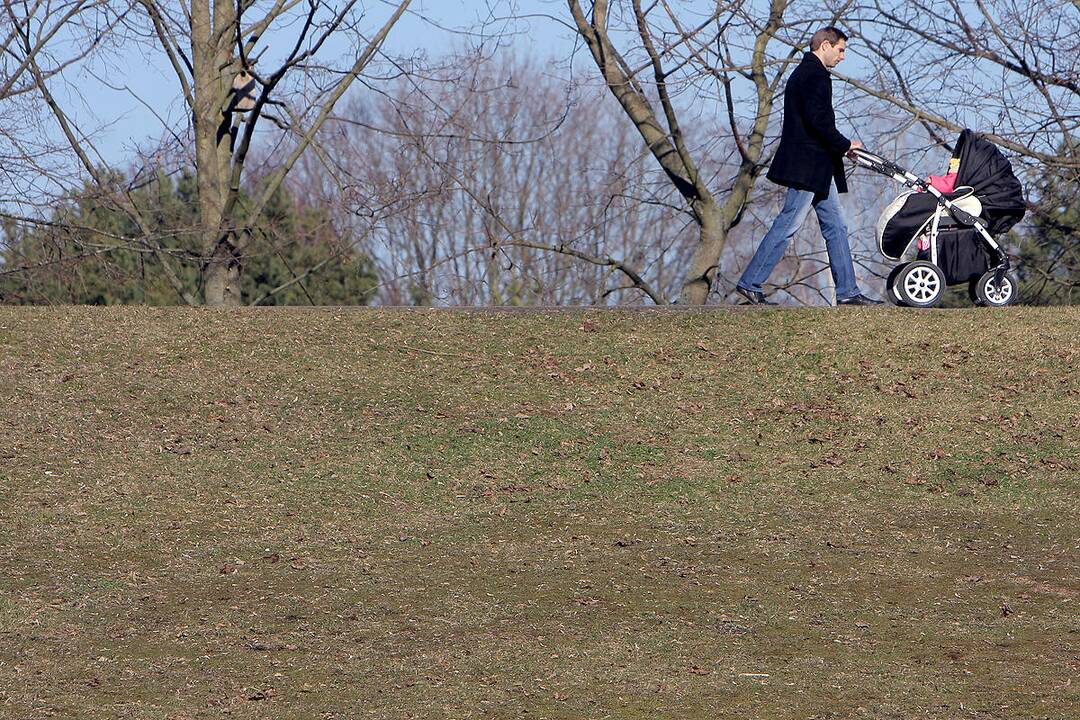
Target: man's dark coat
[{"x": 811, "y": 152}]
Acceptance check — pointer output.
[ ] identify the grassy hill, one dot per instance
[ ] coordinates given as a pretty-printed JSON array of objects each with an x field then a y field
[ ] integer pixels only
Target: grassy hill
[{"x": 832, "y": 513}]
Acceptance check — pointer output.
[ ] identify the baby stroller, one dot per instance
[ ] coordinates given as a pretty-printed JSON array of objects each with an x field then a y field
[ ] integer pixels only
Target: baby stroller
[{"x": 953, "y": 219}]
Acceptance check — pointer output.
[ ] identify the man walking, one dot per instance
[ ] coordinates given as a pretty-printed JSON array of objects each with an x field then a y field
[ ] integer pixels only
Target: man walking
[{"x": 810, "y": 164}]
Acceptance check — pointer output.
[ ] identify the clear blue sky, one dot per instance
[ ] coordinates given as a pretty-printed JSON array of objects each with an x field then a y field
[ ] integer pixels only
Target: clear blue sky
[
  {"x": 136, "y": 99},
  {"x": 132, "y": 100}
]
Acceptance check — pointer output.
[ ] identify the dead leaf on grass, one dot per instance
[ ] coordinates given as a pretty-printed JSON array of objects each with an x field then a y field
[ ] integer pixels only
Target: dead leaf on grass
[
  {"x": 1048, "y": 588},
  {"x": 733, "y": 628},
  {"x": 1056, "y": 463}
]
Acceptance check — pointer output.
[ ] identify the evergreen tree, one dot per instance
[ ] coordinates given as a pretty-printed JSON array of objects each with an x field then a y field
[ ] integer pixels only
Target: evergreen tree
[
  {"x": 82, "y": 255},
  {"x": 1050, "y": 251}
]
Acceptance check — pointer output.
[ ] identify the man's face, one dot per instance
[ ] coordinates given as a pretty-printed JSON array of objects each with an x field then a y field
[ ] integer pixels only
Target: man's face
[{"x": 833, "y": 54}]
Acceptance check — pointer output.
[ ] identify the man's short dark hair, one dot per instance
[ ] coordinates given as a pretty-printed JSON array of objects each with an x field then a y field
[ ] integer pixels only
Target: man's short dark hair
[{"x": 830, "y": 34}]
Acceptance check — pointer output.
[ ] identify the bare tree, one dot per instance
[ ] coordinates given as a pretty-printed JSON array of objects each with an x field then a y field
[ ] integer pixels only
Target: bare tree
[
  {"x": 224, "y": 46},
  {"x": 42, "y": 38},
  {"x": 236, "y": 63},
  {"x": 496, "y": 200},
  {"x": 673, "y": 52},
  {"x": 1008, "y": 67},
  {"x": 458, "y": 156}
]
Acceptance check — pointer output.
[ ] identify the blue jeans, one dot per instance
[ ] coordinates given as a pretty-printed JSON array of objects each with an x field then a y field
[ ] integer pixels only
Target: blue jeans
[{"x": 797, "y": 206}]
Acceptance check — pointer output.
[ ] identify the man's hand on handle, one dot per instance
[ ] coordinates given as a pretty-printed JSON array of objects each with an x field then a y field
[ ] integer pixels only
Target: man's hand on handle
[{"x": 855, "y": 145}]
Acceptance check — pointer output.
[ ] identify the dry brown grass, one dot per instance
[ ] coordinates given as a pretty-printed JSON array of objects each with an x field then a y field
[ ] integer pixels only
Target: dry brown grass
[{"x": 393, "y": 514}]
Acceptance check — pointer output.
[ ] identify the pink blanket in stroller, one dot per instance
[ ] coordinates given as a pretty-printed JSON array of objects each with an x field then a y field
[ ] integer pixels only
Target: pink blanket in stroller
[{"x": 944, "y": 184}]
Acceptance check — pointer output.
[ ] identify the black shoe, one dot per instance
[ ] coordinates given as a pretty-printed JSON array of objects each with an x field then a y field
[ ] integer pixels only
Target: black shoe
[
  {"x": 753, "y": 296},
  {"x": 859, "y": 299}
]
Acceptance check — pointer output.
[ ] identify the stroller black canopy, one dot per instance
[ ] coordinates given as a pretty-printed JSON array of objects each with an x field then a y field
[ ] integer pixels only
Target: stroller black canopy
[{"x": 984, "y": 168}]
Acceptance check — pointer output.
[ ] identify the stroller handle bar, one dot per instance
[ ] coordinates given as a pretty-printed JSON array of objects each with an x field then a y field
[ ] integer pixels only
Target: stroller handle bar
[{"x": 873, "y": 161}]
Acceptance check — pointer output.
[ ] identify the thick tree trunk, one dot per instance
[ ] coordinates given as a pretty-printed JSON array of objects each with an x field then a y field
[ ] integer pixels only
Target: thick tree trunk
[
  {"x": 715, "y": 222},
  {"x": 712, "y": 236},
  {"x": 219, "y": 170},
  {"x": 222, "y": 278},
  {"x": 211, "y": 49}
]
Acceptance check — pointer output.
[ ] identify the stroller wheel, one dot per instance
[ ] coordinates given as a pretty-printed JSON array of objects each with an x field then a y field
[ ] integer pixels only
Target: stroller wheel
[
  {"x": 920, "y": 284},
  {"x": 890, "y": 285},
  {"x": 988, "y": 292}
]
